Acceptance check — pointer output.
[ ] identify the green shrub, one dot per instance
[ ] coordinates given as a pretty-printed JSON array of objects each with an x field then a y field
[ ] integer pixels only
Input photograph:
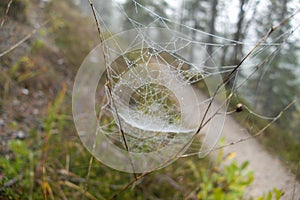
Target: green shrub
[{"x": 16, "y": 170}]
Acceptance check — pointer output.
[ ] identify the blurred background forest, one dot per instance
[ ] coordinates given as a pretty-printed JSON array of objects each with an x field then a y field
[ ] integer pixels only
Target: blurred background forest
[{"x": 42, "y": 44}]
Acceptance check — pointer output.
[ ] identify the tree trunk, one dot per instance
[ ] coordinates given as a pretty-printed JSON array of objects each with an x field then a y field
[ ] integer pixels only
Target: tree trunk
[
  {"x": 212, "y": 31},
  {"x": 238, "y": 36}
]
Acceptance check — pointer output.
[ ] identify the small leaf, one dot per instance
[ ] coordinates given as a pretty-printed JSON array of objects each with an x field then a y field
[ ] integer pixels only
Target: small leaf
[
  {"x": 269, "y": 196},
  {"x": 278, "y": 193},
  {"x": 218, "y": 193},
  {"x": 244, "y": 165},
  {"x": 231, "y": 156}
]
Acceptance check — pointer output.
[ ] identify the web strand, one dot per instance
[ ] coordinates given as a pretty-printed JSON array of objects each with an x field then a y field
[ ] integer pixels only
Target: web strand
[{"x": 153, "y": 82}]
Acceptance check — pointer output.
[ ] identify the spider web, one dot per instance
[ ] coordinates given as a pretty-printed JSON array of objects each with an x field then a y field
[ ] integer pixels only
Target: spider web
[{"x": 161, "y": 93}]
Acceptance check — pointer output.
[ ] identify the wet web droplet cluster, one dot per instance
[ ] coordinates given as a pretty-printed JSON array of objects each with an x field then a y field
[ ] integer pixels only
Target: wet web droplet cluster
[{"x": 163, "y": 85}]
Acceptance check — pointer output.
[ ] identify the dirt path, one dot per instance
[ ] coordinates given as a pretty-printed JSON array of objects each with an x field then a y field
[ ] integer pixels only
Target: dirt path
[{"x": 268, "y": 170}]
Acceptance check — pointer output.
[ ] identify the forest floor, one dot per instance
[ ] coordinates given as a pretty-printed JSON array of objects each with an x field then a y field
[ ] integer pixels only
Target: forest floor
[{"x": 25, "y": 102}]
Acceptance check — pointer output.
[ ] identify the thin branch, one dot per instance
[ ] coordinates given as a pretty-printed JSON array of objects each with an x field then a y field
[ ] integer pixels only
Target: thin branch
[
  {"x": 108, "y": 84},
  {"x": 108, "y": 75},
  {"x": 5, "y": 14},
  {"x": 263, "y": 129},
  {"x": 78, "y": 188},
  {"x": 87, "y": 178},
  {"x": 260, "y": 132},
  {"x": 23, "y": 39},
  {"x": 13, "y": 181},
  {"x": 216, "y": 92},
  {"x": 227, "y": 78},
  {"x": 129, "y": 184},
  {"x": 272, "y": 29}
]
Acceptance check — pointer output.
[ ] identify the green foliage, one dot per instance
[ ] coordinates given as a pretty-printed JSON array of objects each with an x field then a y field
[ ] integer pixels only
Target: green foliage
[
  {"x": 275, "y": 194},
  {"x": 37, "y": 45},
  {"x": 24, "y": 167},
  {"x": 53, "y": 164},
  {"x": 53, "y": 111},
  {"x": 16, "y": 168},
  {"x": 224, "y": 182},
  {"x": 229, "y": 183},
  {"x": 23, "y": 69}
]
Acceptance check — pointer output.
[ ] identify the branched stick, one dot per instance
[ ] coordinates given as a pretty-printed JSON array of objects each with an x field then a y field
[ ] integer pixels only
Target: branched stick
[
  {"x": 262, "y": 130},
  {"x": 274, "y": 28},
  {"x": 13, "y": 181},
  {"x": 203, "y": 121},
  {"x": 85, "y": 192},
  {"x": 108, "y": 75},
  {"x": 78, "y": 188},
  {"x": 129, "y": 184},
  {"x": 23, "y": 39},
  {"x": 108, "y": 84}
]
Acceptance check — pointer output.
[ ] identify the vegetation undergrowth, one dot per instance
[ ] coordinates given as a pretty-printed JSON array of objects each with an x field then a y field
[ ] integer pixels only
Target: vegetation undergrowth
[{"x": 51, "y": 162}]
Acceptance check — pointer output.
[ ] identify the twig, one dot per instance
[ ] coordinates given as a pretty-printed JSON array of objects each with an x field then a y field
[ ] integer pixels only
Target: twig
[
  {"x": 13, "y": 181},
  {"x": 108, "y": 74},
  {"x": 61, "y": 192},
  {"x": 169, "y": 180},
  {"x": 272, "y": 29},
  {"x": 193, "y": 193},
  {"x": 53, "y": 111},
  {"x": 23, "y": 39},
  {"x": 5, "y": 14},
  {"x": 252, "y": 136},
  {"x": 87, "y": 177},
  {"x": 203, "y": 122},
  {"x": 76, "y": 187},
  {"x": 129, "y": 184},
  {"x": 226, "y": 79},
  {"x": 109, "y": 87},
  {"x": 262, "y": 130}
]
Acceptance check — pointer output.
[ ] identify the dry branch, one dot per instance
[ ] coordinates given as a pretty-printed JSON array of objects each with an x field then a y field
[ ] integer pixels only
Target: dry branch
[
  {"x": 5, "y": 14},
  {"x": 29, "y": 35}
]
